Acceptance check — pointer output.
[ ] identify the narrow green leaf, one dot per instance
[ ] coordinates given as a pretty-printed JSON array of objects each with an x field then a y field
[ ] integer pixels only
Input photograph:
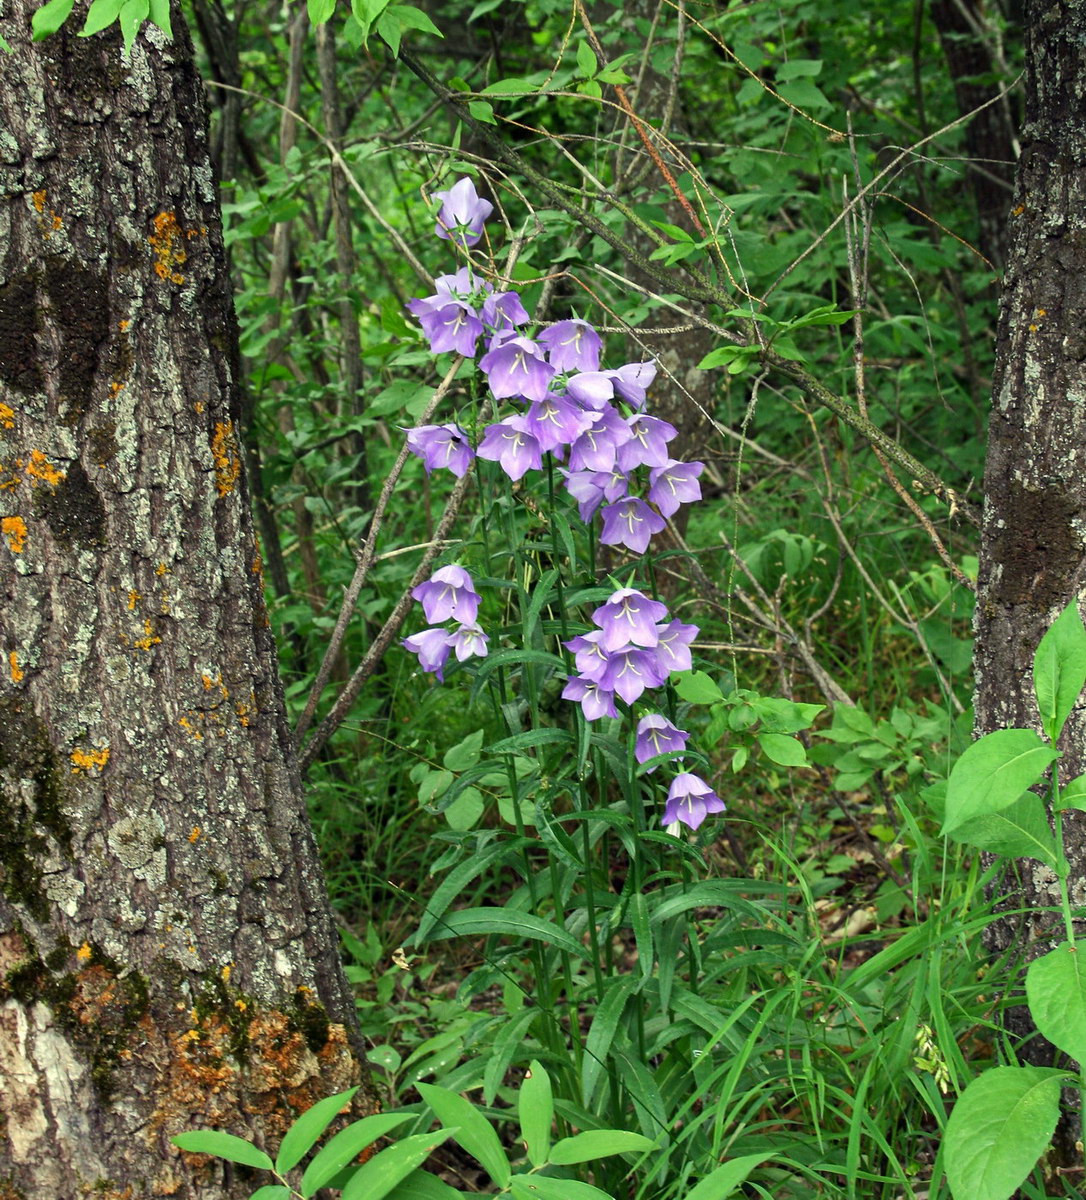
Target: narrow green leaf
[
  {"x": 303, "y": 1135},
  {"x": 223, "y": 1145},
  {"x": 100, "y": 15},
  {"x": 132, "y": 15},
  {"x": 456, "y": 881},
  {"x": 421, "y": 1185},
  {"x": 507, "y": 1046},
  {"x": 783, "y": 749},
  {"x": 472, "y": 922},
  {"x": 347, "y": 1145},
  {"x": 1000, "y": 1126},
  {"x": 993, "y": 772},
  {"x": 531, "y": 738},
  {"x": 602, "y": 1033},
  {"x": 598, "y": 1143},
  {"x": 535, "y": 1106},
  {"x": 474, "y": 1133},
  {"x": 638, "y": 915},
  {"x": 271, "y": 1191},
  {"x": 586, "y": 60},
  {"x": 724, "y": 1180},
  {"x": 543, "y": 1187},
  {"x": 1020, "y": 831},
  {"x": 1056, "y": 991},
  {"x": 1059, "y": 669},
  {"x": 49, "y": 18},
  {"x": 375, "y": 1179}
]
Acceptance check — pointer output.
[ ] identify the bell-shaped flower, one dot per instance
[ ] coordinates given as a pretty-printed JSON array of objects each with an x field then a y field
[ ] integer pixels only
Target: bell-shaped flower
[
  {"x": 462, "y": 214},
  {"x": 594, "y": 700},
  {"x": 513, "y": 446},
  {"x": 444, "y": 446},
  {"x": 630, "y": 671},
  {"x": 517, "y": 367},
  {"x": 656, "y": 735},
  {"x": 589, "y": 656},
  {"x": 432, "y": 647},
  {"x": 585, "y": 488},
  {"x": 468, "y": 640},
  {"x": 674, "y": 484},
  {"x": 690, "y": 800},
  {"x": 630, "y": 523},
  {"x": 554, "y": 421},
  {"x": 647, "y": 444},
  {"x": 629, "y": 617},
  {"x": 504, "y": 311},
  {"x": 454, "y": 326},
  {"x": 572, "y": 345},
  {"x": 673, "y": 646},
  {"x": 633, "y": 380},
  {"x": 598, "y": 442},
  {"x": 593, "y": 389},
  {"x": 448, "y": 593}
]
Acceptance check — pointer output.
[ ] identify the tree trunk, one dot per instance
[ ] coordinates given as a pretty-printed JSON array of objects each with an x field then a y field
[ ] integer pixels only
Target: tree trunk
[
  {"x": 167, "y": 956},
  {"x": 1033, "y": 550}
]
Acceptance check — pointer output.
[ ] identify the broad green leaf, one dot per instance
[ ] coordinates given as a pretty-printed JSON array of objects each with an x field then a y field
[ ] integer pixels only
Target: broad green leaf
[
  {"x": 320, "y": 10},
  {"x": 1073, "y": 795},
  {"x": 49, "y": 18},
  {"x": 223, "y": 1145},
  {"x": 598, "y": 1143},
  {"x": 466, "y": 810},
  {"x": 1000, "y": 1126},
  {"x": 782, "y": 749},
  {"x": 797, "y": 68},
  {"x": 347, "y": 1145},
  {"x": 132, "y": 15},
  {"x": 697, "y": 687},
  {"x": 159, "y": 12},
  {"x": 376, "y": 1178},
  {"x": 803, "y": 94},
  {"x": 544, "y": 1187},
  {"x": 471, "y": 922},
  {"x": 100, "y": 15},
  {"x": 473, "y": 1132},
  {"x": 724, "y": 1180},
  {"x": 602, "y": 1033},
  {"x": 304, "y": 1134},
  {"x": 735, "y": 358},
  {"x": 509, "y": 87},
  {"x": 465, "y": 753},
  {"x": 535, "y": 1106},
  {"x": 586, "y": 60},
  {"x": 482, "y": 110},
  {"x": 1020, "y": 831},
  {"x": 993, "y": 772},
  {"x": 1056, "y": 991},
  {"x": 1059, "y": 670}
]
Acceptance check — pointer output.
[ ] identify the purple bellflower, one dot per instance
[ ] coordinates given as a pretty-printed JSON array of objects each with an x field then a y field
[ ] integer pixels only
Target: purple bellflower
[
  {"x": 674, "y": 484},
  {"x": 572, "y": 345},
  {"x": 432, "y": 647},
  {"x": 690, "y": 800},
  {"x": 513, "y": 446},
  {"x": 504, "y": 311},
  {"x": 463, "y": 213},
  {"x": 656, "y": 735},
  {"x": 585, "y": 488},
  {"x": 468, "y": 640},
  {"x": 629, "y": 618},
  {"x": 555, "y": 421},
  {"x": 517, "y": 368},
  {"x": 444, "y": 446},
  {"x": 630, "y": 523},
  {"x": 595, "y": 448},
  {"x": 647, "y": 444},
  {"x": 589, "y": 656},
  {"x": 594, "y": 700},
  {"x": 448, "y": 593},
  {"x": 453, "y": 326},
  {"x": 630, "y": 671},
  {"x": 632, "y": 382},
  {"x": 593, "y": 389},
  {"x": 673, "y": 648}
]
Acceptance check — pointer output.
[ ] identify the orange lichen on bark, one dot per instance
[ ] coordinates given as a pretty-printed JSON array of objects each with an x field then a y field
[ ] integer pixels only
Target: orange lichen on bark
[
  {"x": 7, "y": 416},
  {"x": 133, "y": 599},
  {"x": 167, "y": 242},
  {"x": 39, "y": 467},
  {"x": 149, "y": 639},
  {"x": 86, "y": 760},
  {"x": 14, "y": 529},
  {"x": 39, "y": 200},
  {"x": 194, "y": 835},
  {"x": 17, "y": 672},
  {"x": 224, "y": 451},
  {"x": 84, "y": 953},
  {"x": 188, "y": 727}
]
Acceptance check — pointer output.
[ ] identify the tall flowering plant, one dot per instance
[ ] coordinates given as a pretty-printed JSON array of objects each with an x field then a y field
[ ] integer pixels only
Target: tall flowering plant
[{"x": 559, "y": 413}]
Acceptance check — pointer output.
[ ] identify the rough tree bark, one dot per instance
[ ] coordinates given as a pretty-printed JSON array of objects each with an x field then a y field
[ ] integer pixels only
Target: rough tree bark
[
  {"x": 167, "y": 957},
  {"x": 1033, "y": 550}
]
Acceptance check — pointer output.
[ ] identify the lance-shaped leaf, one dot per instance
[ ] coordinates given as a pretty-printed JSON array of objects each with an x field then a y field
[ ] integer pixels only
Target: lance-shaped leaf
[
  {"x": 993, "y": 772},
  {"x": 1059, "y": 669},
  {"x": 1056, "y": 991}
]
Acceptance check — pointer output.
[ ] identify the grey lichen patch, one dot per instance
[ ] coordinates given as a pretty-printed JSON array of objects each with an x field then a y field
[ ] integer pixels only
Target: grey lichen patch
[
  {"x": 73, "y": 510},
  {"x": 137, "y": 843}
]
